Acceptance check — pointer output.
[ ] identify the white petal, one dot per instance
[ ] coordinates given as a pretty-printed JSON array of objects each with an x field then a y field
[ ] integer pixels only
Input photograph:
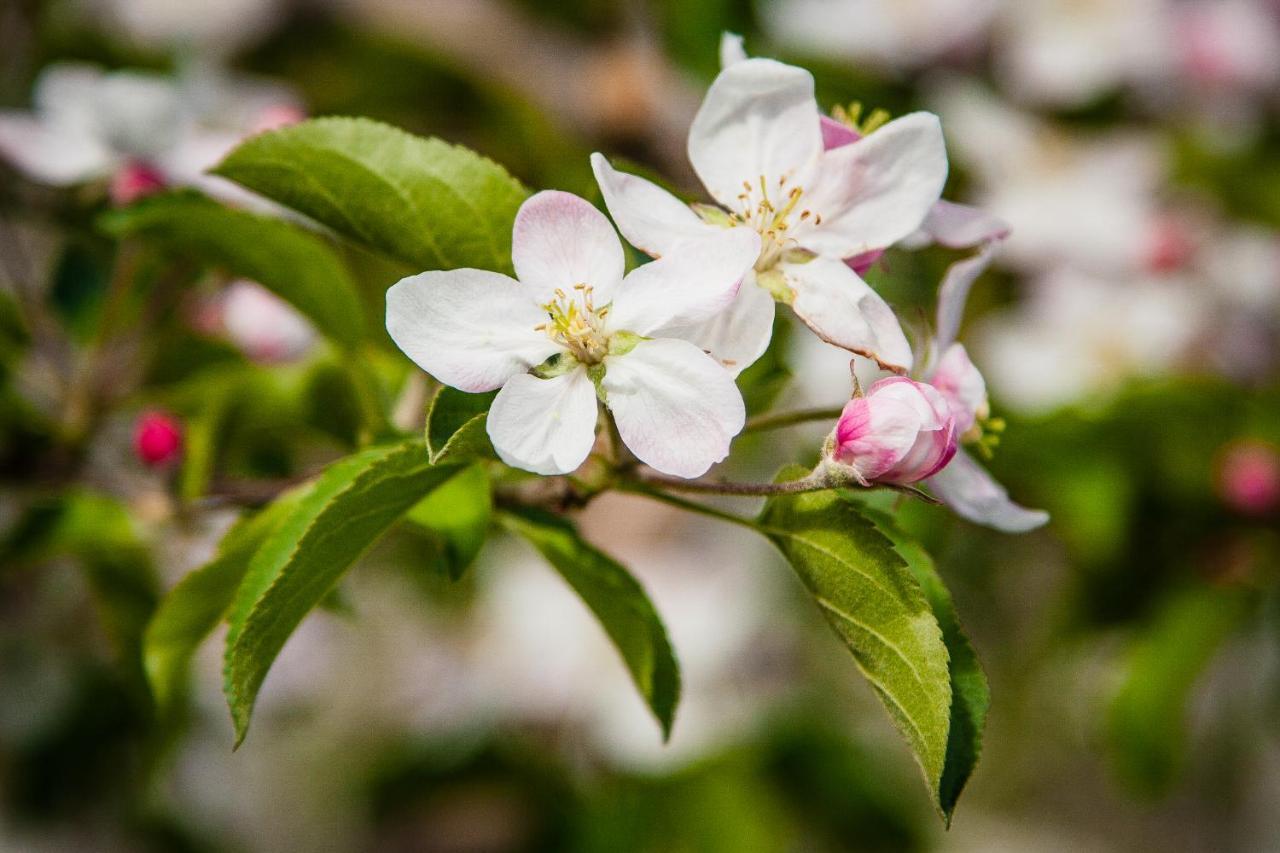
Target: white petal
[
  {"x": 138, "y": 113},
  {"x": 689, "y": 285},
  {"x": 759, "y": 119},
  {"x": 652, "y": 219},
  {"x": 969, "y": 490},
  {"x": 739, "y": 334},
  {"x": 471, "y": 329},
  {"x": 842, "y": 309},
  {"x": 546, "y": 426},
  {"x": 676, "y": 408},
  {"x": 49, "y": 156},
  {"x": 952, "y": 295},
  {"x": 561, "y": 240},
  {"x": 960, "y": 226},
  {"x": 878, "y": 190},
  {"x": 68, "y": 95},
  {"x": 731, "y": 50}
]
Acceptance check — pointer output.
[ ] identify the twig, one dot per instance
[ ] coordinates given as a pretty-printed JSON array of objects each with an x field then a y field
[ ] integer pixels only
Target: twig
[{"x": 777, "y": 420}]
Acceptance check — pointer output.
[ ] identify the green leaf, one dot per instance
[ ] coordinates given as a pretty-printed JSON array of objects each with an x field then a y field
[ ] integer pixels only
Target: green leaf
[
  {"x": 193, "y": 608},
  {"x": 296, "y": 265},
  {"x": 970, "y": 695},
  {"x": 1146, "y": 725},
  {"x": 875, "y": 604},
  {"x": 421, "y": 201},
  {"x": 459, "y": 512},
  {"x": 350, "y": 506},
  {"x": 456, "y": 426},
  {"x": 617, "y": 600}
]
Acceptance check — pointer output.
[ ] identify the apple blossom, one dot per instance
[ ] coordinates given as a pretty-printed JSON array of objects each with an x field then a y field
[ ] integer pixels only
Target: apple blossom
[
  {"x": 263, "y": 325},
  {"x": 570, "y": 328},
  {"x": 757, "y": 145},
  {"x": 1248, "y": 477},
  {"x": 900, "y": 432}
]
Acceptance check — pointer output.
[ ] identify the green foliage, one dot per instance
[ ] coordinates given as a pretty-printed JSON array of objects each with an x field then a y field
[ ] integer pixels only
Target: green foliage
[
  {"x": 1147, "y": 719},
  {"x": 456, "y": 426},
  {"x": 459, "y": 513},
  {"x": 618, "y": 601},
  {"x": 421, "y": 201},
  {"x": 193, "y": 608},
  {"x": 874, "y": 602},
  {"x": 296, "y": 265},
  {"x": 350, "y": 506},
  {"x": 970, "y": 695}
]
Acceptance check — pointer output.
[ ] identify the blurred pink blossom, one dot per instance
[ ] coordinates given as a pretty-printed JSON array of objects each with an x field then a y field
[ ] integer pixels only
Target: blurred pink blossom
[
  {"x": 157, "y": 438},
  {"x": 1248, "y": 477}
]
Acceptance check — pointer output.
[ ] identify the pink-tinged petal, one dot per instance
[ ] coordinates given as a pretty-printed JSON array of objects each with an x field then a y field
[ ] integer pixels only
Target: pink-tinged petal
[
  {"x": 471, "y": 329},
  {"x": 652, "y": 219},
  {"x": 899, "y": 433},
  {"x": 49, "y": 156},
  {"x": 689, "y": 285},
  {"x": 837, "y": 134},
  {"x": 969, "y": 490},
  {"x": 953, "y": 293},
  {"x": 134, "y": 181},
  {"x": 842, "y": 309},
  {"x": 546, "y": 426},
  {"x": 865, "y": 261},
  {"x": 961, "y": 226},
  {"x": 962, "y": 385},
  {"x": 264, "y": 326},
  {"x": 759, "y": 120},
  {"x": 871, "y": 194},
  {"x": 561, "y": 240},
  {"x": 732, "y": 50},
  {"x": 738, "y": 335},
  {"x": 676, "y": 408}
]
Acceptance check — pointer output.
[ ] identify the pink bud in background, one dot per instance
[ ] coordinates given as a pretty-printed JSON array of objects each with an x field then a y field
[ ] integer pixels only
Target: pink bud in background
[
  {"x": 133, "y": 181},
  {"x": 264, "y": 326},
  {"x": 1170, "y": 246},
  {"x": 277, "y": 116},
  {"x": 1249, "y": 477},
  {"x": 157, "y": 438},
  {"x": 901, "y": 432}
]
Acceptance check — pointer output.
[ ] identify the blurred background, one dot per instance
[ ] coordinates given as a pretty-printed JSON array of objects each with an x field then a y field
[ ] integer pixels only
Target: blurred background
[{"x": 1129, "y": 332}]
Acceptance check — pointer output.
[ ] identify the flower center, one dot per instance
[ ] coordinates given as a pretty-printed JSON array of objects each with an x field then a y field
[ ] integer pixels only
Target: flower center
[
  {"x": 771, "y": 220},
  {"x": 577, "y": 324}
]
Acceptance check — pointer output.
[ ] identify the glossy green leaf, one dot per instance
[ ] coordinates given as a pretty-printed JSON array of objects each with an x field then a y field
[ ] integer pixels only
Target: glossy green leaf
[
  {"x": 456, "y": 425},
  {"x": 970, "y": 694},
  {"x": 421, "y": 201},
  {"x": 1146, "y": 724},
  {"x": 348, "y": 508},
  {"x": 298, "y": 266},
  {"x": 193, "y": 608},
  {"x": 875, "y": 604},
  {"x": 617, "y": 600},
  {"x": 459, "y": 513}
]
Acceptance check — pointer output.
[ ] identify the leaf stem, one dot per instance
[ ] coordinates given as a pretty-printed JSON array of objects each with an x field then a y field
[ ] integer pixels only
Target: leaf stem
[{"x": 777, "y": 420}]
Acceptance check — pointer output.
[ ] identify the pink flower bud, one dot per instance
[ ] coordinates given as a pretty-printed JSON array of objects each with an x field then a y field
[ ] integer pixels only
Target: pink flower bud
[
  {"x": 962, "y": 386},
  {"x": 1249, "y": 477},
  {"x": 901, "y": 432},
  {"x": 157, "y": 439},
  {"x": 133, "y": 181}
]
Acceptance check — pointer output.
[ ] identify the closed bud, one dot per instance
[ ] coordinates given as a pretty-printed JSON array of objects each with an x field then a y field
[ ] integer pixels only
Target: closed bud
[
  {"x": 899, "y": 433},
  {"x": 157, "y": 439}
]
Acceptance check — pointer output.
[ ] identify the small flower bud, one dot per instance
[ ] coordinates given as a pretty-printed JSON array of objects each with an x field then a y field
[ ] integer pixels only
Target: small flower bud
[
  {"x": 1249, "y": 477},
  {"x": 901, "y": 432},
  {"x": 157, "y": 439}
]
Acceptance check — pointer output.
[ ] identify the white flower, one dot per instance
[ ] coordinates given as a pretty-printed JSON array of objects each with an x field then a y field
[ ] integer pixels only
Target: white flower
[
  {"x": 588, "y": 332},
  {"x": 757, "y": 145},
  {"x": 138, "y": 130},
  {"x": 889, "y": 33}
]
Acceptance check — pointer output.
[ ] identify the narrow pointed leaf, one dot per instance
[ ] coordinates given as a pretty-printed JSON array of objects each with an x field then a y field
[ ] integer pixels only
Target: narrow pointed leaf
[
  {"x": 617, "y": 600},
  {"x": 456, "y": 426},
  {"x": 872, "y": 599},
  {"x": 970, "y": 694},
  {"x": 350, "y": 506},
  {"x": 298, "y": 266},
  {"x": 422, "y": 201}
]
